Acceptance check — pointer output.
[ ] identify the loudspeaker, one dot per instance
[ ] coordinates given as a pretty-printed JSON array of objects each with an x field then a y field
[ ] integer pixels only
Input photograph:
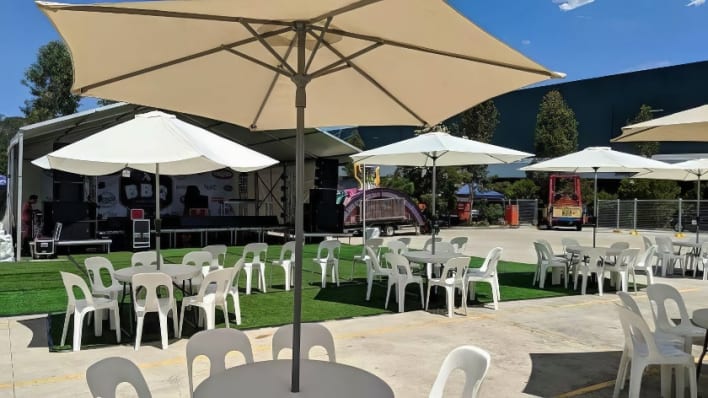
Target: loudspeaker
[
  {"x": 325, "y": 214},
  {"x": 326, "y": 173}
]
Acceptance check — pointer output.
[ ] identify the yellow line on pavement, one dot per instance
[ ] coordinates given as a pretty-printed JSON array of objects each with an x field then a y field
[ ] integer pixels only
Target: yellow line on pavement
[{"x": 585, "y": 390}]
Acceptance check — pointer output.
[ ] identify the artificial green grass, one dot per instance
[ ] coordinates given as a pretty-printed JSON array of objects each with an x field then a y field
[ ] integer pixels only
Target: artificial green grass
[{"x": 36, "y": 287}]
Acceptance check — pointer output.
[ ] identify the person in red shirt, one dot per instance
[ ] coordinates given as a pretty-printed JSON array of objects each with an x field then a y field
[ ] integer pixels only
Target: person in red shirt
[{"x": 27, "y": 215}]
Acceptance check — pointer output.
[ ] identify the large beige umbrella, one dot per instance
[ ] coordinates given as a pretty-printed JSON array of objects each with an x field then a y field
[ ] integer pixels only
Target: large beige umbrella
[
  {"x": 260, "y": 63},
  {"x": 688, "y": 125}
]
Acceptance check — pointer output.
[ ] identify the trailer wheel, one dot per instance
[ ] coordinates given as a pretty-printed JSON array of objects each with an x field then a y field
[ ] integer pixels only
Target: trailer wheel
[
  {"x": 389, "y": 230},
  {"x": 579, "y": 226}
]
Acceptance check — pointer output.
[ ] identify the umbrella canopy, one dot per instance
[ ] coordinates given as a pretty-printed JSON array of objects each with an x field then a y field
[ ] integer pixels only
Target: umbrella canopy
[
  {"x": 158, "y": 143},
  {"x": 261, "y": 63},
  {"x": 690, "y": 170},
  {"x": 688, "y": 125},
  {"x": 598, "y": 160},
  {"x": 438, "y": 149}
]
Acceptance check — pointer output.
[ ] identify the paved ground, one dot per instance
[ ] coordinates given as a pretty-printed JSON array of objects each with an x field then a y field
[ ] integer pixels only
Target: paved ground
[{"x": 561, "y": 347}]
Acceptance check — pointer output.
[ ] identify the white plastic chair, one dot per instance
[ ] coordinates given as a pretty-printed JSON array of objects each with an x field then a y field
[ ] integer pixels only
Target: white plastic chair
[
  {"x": 328, "y": 258},
  {"x": 104, "y": 376},
  {"x": 215, "y": 345},
  {"x": 311, "y": 335},
  {"x": 440, "y": 248},
  {"x": 95, "y": 267},
  {"x": 452, "y": 277},
  {"x": 645, "y": 351},
  {"x": 212, "y": 294},
  {"x": 401, "y": 276},
  {"x": 487, "y": 273},
  {"x": 375, "y": 244},
  {"x": 643, "y": 264},
  {"x": 286, "y": 262},
  {"x": 547, "y": 261},
  {"x": 218, "y": 252},
  {"x": 702, "y": 261},
  {"x": 254, "y": 256},
  {"x": 429, "y": 243},
  {"x": 203, "y": 260},
  {"x": 593, "y": 263},
  {"x": 233, "y": 291},
  {"x": 405, "y": 241},
  {"x": 396, "y": 246},
  {"x": 571, "y": 258},
  {"x": 623, "y": 265},
  {"x": 647, "y": 242},
  {"x": 145, "y": 258},
  {"x": 459, "y": 243},
  {"x": 374, "y": 268},
  {"x": 80, "y": 307},
  {"x": 151, "y": 282},
  {"x": 659, "y": 294},
  {"x": 667, "y": 257},
  {"x": 473, "y": 361}
]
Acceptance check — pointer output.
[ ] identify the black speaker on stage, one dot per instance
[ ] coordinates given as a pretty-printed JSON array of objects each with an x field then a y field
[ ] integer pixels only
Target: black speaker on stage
[
  {"x": 325, "y": 214},
  {"x": 326, "y": 173}
]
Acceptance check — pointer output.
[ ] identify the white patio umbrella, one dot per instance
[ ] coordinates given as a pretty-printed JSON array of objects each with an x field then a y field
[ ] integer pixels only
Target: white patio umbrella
[
  {"x": 690, "y": 170},
  {"x": 688, "y": 125},
  {"x": 261, "y": 63},
  {"x": 438, "y": 149},
  {"x": 154, "y": 142},
  {"x": 598, "y": 160}
]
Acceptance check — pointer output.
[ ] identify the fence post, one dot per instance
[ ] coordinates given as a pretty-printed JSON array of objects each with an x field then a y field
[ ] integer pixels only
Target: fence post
[
  {"x": 634, "y": 214},
  {"x": 535, "y": 212},
  {"x": 618, "y": 215},
  {"x": 680, "y": 215}
]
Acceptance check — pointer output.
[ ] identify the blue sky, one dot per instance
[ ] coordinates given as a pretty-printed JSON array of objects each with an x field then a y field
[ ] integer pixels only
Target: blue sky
[{"x": 583, "y": 38}]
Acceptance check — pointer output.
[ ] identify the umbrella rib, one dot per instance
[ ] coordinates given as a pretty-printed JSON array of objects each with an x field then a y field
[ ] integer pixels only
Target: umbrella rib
[
  {"x": 623, "y": 136},
  {"x": 270, "y": 88},
  {"x": 257, "y": 61},
  {"x": 342, "y": 10},
  {"x": 410, "y": 46},
  {"x": 176, "y": 61},
  {"x": 375, "y": 83},
  {"x": 268, "y": 47},
  {"x": 320, "y": 38},
  {"x": 337, "y": 65}
]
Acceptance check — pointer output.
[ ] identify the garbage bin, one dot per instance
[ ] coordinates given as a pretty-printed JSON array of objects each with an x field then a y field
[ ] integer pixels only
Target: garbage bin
[
  {"x": 511, "y": 215},
  {"x": 463, "y": 211}
]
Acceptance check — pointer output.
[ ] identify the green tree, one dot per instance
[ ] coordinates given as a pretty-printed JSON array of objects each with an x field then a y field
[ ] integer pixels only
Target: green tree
[
  {"x": 355, "y": 140},
  {"x": 648, "y": 189},
  {"x": 523, "y": 189},
  {"x": 49, "y": 80},
  {"x": 8, "y": 128},
  {"x": 647, "y": 149},
  {"x": 556, "y": 131},
  {"x": 478, "y": 123}
]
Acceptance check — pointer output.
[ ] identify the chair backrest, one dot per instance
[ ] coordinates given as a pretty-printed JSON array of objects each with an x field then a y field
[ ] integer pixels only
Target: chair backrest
[
  {"x": 328, "y": 249},
  {"x": 644, "y": 261},
  {"x": 429, "y": 243},
  {"x": 396, "y": 246},
  {"x": 627, "y": 258},
  {"x": 288, "y": 250},
  {"x": 620, "y": 245},
  {"x": 406, "y": 241},
  {"x": 459, "y": 243},
  {"x": 151, "y": 282},
  {"x": 94, "y": 266},
  {"x": 647, "y": 242},
  {"x": 104, "y": 376},
  {"x": 567, "y": 242},
  {"x": 218, "y": 252},
  {"x": 311, "y": 335},
  {"x": 202, "y": 259},
  {"x": 372, "y": 261},
  {"x": 663, "y": 244},
  {"x": 489, "y": 267},
  {"x": 638, "y": 336},
  {"x": 444, "y": 247},
  {"x": 215, "y": 344},
  {"x": 542, "y": 252},
  {"x": 400, "y": 265},
  {"x": 374, "y": 243},
  {"x": 547, "y": 244},
  {"x": 629, "y": 302},
  {"x": 473, "y": 361},
  {"x": 72, "y": 281},
  {"x": 659, "y": 294},
  {"x": 217, "y": 282},
  {"x": 148, "y": 257},
  {"x": 456, "y": 265},
  {"x": 255, "y": 252}
]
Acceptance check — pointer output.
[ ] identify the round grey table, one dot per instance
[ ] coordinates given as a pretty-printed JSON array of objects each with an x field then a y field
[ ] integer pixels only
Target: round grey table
[
  {"x": 318, "y": 379},
  {"x": 700, "y": 318},
  {"x": 177, "y": 272},
  {"x": 428, "y": 258}
]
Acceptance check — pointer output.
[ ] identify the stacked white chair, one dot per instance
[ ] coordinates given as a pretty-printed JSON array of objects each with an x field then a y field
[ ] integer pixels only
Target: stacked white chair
[
  {"x": 233, "y": 291},
  {"x": 215, "y": 345},
  {"x": 203, "y": 260},
  {"x": 149, "y": 283},
  {"x": 667, "y": 257},
  {"x": 547, "y": 261},
  {"x": 374, "y": 269},
  {"x": 212, "y": 294},
  {"x": 643, "y": 264},
  {"x": 487, "y": 273},
  {"x": 623, "y": 266},
  {"x": 104, "y": 376},
  {"x": 375, "y": 244},
  {"x": 255, "y": 257},
  {"x": 328, "y": 259},
  {"x": 286, "y": 262},
  {"x": 95, "y": 267},
  {"x": 81, "y": 307},
  {"x": 593, "y": 263},
  {"x": 659, "y": 295},
  {"x": 401, "y": 276},
  {"x": 473, "y": 361},
  {"x": 311, "y": 335},
  {"x": 451, "y": 278},
  {"x": 145, "y": 258}
]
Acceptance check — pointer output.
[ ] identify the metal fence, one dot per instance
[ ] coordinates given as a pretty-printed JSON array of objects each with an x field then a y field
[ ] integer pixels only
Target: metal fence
[
  {"x": 528, "y": 210},
  {"x": 676, "y": 214}
]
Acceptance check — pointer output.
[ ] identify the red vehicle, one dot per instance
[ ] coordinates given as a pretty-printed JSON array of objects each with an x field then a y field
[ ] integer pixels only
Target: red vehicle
[{"x": 565, "y": 203}]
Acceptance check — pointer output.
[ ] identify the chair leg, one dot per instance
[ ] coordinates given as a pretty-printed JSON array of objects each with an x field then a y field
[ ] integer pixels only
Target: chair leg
[
  {"x": 422, "y": 302},
  {"x": 286, "y": 271},
  {"x": 680, "y": 380},
  {"x": 116, "y": 318},
  {"x": 237, "y": 307},
  {"x": 450, "y": 296},
  {"x": 388, "y": 294},
  {"x": 401, "y": 293},
  {"x": 67, "y": 318},
  {"x": 619, "y": 382},
  {"x": 427, "y": 297},
  {"x": 163, "y": 329},
  {"x": 600, "y": 282},
  {"x": 495, "y": 292},
  {"x": 335, "y": 272},
  {"x": 692, "y": 379},
  {"x": 248, "y": 270},
  {"x": 369, "y": 285},
  {"x": 261, "y": 273},
  {"x": 665, "y": 380},
  {"x": 323, "y": 266},
  {"x": 225, "y": 311},
  {"x": 139, "y": 331},
  {"x": 78, "y": 325},
  {"x": 635, "y": 380},
  {"x": 542, "y": 278}
]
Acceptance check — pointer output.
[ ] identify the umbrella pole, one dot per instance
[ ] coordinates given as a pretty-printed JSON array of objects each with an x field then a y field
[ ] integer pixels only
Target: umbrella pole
[
  {"x": 595, "y": 210},
  {"x": 433, "y": 211},
  {"x": 158, "y": 221},
  {"x": 300, "y": 81},
  {"x": 363, "y": 204},
  {"x": 698, "y": 207}
]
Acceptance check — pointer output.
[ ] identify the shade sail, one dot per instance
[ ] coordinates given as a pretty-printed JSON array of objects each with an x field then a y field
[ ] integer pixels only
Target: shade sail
[{"x": 688, "y": 125}]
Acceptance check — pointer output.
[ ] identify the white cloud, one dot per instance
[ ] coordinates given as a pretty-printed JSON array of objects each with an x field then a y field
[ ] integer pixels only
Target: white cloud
[
  {"x": 526, "y": 42},
  {"x": 568, "y": 5},
  {"x": 648, "y": 65},
  {"x": 696, "y": 3}
]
